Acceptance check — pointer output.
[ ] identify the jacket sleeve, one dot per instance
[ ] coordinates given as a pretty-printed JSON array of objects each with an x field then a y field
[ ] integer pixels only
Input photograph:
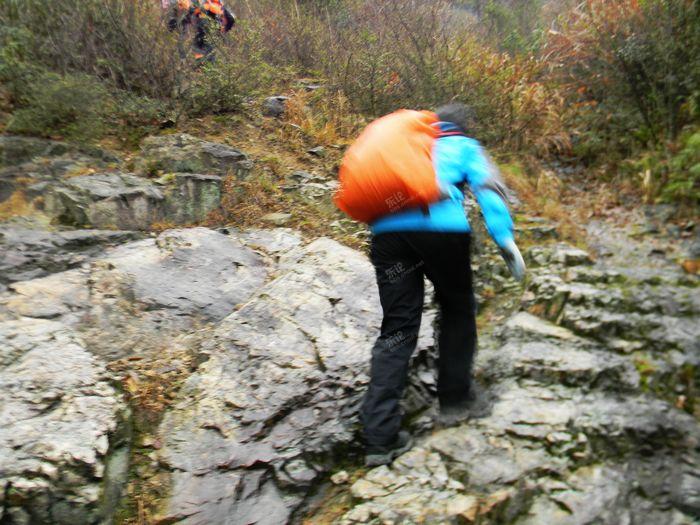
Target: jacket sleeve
[
  {"x": 484, "y": 182},
  {"x": 228, "y": 20}
]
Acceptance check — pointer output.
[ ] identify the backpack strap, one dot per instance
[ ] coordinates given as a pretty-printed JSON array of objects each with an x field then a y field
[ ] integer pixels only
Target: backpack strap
[{"x": 451, "y": 134}]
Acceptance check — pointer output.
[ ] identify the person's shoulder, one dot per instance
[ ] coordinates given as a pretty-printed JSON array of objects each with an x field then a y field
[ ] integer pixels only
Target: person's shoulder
[
  {"x": 460, "y": 139},
  {"x": 469, "y": 145},
  {"x": 471, "y": 142}
]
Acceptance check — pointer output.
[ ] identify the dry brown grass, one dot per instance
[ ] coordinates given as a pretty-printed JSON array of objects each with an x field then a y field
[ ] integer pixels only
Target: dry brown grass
[
  {"x": 150, "y": 384},
  {"x": 161, "y": 226},
  {"x": 277, "y": 148},
  {"x": 544, "y": 195},
  {"x": 325, "y": 118},
  {"x": 244, "y": 203},
  {"x": 16, "y": 206}
]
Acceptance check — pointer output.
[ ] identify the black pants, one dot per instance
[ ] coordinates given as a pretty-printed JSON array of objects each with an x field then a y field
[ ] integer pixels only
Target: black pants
[{"x": 401, "y": 259}]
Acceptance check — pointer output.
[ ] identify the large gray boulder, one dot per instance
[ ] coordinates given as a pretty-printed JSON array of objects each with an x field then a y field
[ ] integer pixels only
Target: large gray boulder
[
  {"x": 39, "y": 164},
  {"x": 109, "y": 200},
  {"x": 64, "y": 426},
  {"x": 274, "y": 106},
  {"x": 566, "y": 439},
  {"x": 29, "y": 253},
  {"x": 137, "y": 296},
  {"x": 276, "y": 403},
  {"x": 124, "y": 201},
  {"x": 86, "y": 187},
  {"x": 184, "y": 153},
  {"x": 59, "y": 427},
  {"x": 190, "y": 197},
  {"x": 16, "y": 150},
  {"x": 193, "y": 271}
]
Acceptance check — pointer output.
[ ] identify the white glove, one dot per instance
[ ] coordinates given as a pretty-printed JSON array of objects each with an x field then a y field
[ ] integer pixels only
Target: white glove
[{"x": 511, "y": 255}]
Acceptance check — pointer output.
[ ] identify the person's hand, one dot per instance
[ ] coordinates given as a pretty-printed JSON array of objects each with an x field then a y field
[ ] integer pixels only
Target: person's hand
[
  {"x": 450, "y": 192},
  {"x": 511, "y": 255}
]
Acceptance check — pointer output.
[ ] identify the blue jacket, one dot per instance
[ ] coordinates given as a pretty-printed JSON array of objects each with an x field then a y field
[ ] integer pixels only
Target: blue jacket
[{"x": 458, "y": 160}]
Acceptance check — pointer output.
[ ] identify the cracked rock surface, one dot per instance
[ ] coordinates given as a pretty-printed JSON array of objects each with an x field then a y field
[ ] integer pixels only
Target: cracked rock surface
[
  {"x": 579, "y": 428},
  {"x": 58, "y": 411},
  {"x": 145, "y": 291},
  {"x": 95, "y": 189},
  {"x": 188, "y": 154},
  {"x": 29, "y": 253},
  {"x": 589, "y": 381},
  {"x": 276, "y": 403},
  {"x": 64, "y": 429}
]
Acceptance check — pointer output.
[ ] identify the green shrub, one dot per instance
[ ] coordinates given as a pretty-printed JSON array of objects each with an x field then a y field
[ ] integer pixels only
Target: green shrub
[
  {"x": 515, "y": 27},
  {"x": 683, "y": 184},
  {"x": 123, "y": 42},
  {"x": 215, "y": 90},
  {"x": 239, "y": 71},
  {"x": 380, "y": 54},
  {"x": 637, "y": 61},
  {"x": 18, "y": 72},
  {"x": 670, "y": 174},
  {"x": 70, "y": 106},
  {"x": 134, "y": 117},
  {"x": 117, "y": 68}
]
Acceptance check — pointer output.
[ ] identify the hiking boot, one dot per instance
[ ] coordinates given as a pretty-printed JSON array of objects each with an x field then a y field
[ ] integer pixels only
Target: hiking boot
[
  {"x": 476, "y": 405},
  {"x": 451, "y": 415},
  {"x": 377, "y": 455}
]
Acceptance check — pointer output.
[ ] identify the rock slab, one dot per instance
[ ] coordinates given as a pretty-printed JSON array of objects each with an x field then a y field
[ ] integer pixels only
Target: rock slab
[
  {"x": 570, "y": 435},
  {"x": 182, "y": 153},
  {"x": 59, "y": 416},
  {"x": 276, "y": 403}
]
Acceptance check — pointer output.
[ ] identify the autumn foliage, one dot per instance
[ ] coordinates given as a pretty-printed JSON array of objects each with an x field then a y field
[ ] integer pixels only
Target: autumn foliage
[{"x": 610, "y": 84}]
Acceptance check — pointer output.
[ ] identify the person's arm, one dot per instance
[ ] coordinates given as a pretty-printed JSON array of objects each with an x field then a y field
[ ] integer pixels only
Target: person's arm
[
  {"x": 482, "y": 177},
  {"x": 228, "y": 21},
  {"x": 490, "y": 194}
]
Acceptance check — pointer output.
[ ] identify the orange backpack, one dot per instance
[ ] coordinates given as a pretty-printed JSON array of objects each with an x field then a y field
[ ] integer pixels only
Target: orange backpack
[{"x": 390, "y": 167}]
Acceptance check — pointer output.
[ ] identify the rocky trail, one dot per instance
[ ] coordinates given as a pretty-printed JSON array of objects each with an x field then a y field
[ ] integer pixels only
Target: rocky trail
[
  {"x": 575, "y": 433},
  {"x": 213, "y": 376}
]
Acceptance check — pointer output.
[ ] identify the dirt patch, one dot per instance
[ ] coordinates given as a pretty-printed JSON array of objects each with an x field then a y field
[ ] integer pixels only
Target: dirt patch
[
  {"x": 16, "y": 206},
  {"x": 150, "y": 384}
]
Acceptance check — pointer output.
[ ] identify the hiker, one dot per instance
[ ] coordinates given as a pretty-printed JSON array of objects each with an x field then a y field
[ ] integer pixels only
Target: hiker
[
  {"x": 204, "y": 17},
  {"x": 432, "y": 241}
]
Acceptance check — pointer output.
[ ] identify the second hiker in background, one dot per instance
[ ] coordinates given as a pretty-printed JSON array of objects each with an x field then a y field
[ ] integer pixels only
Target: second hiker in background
[{"x": 205, "y": 18}]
